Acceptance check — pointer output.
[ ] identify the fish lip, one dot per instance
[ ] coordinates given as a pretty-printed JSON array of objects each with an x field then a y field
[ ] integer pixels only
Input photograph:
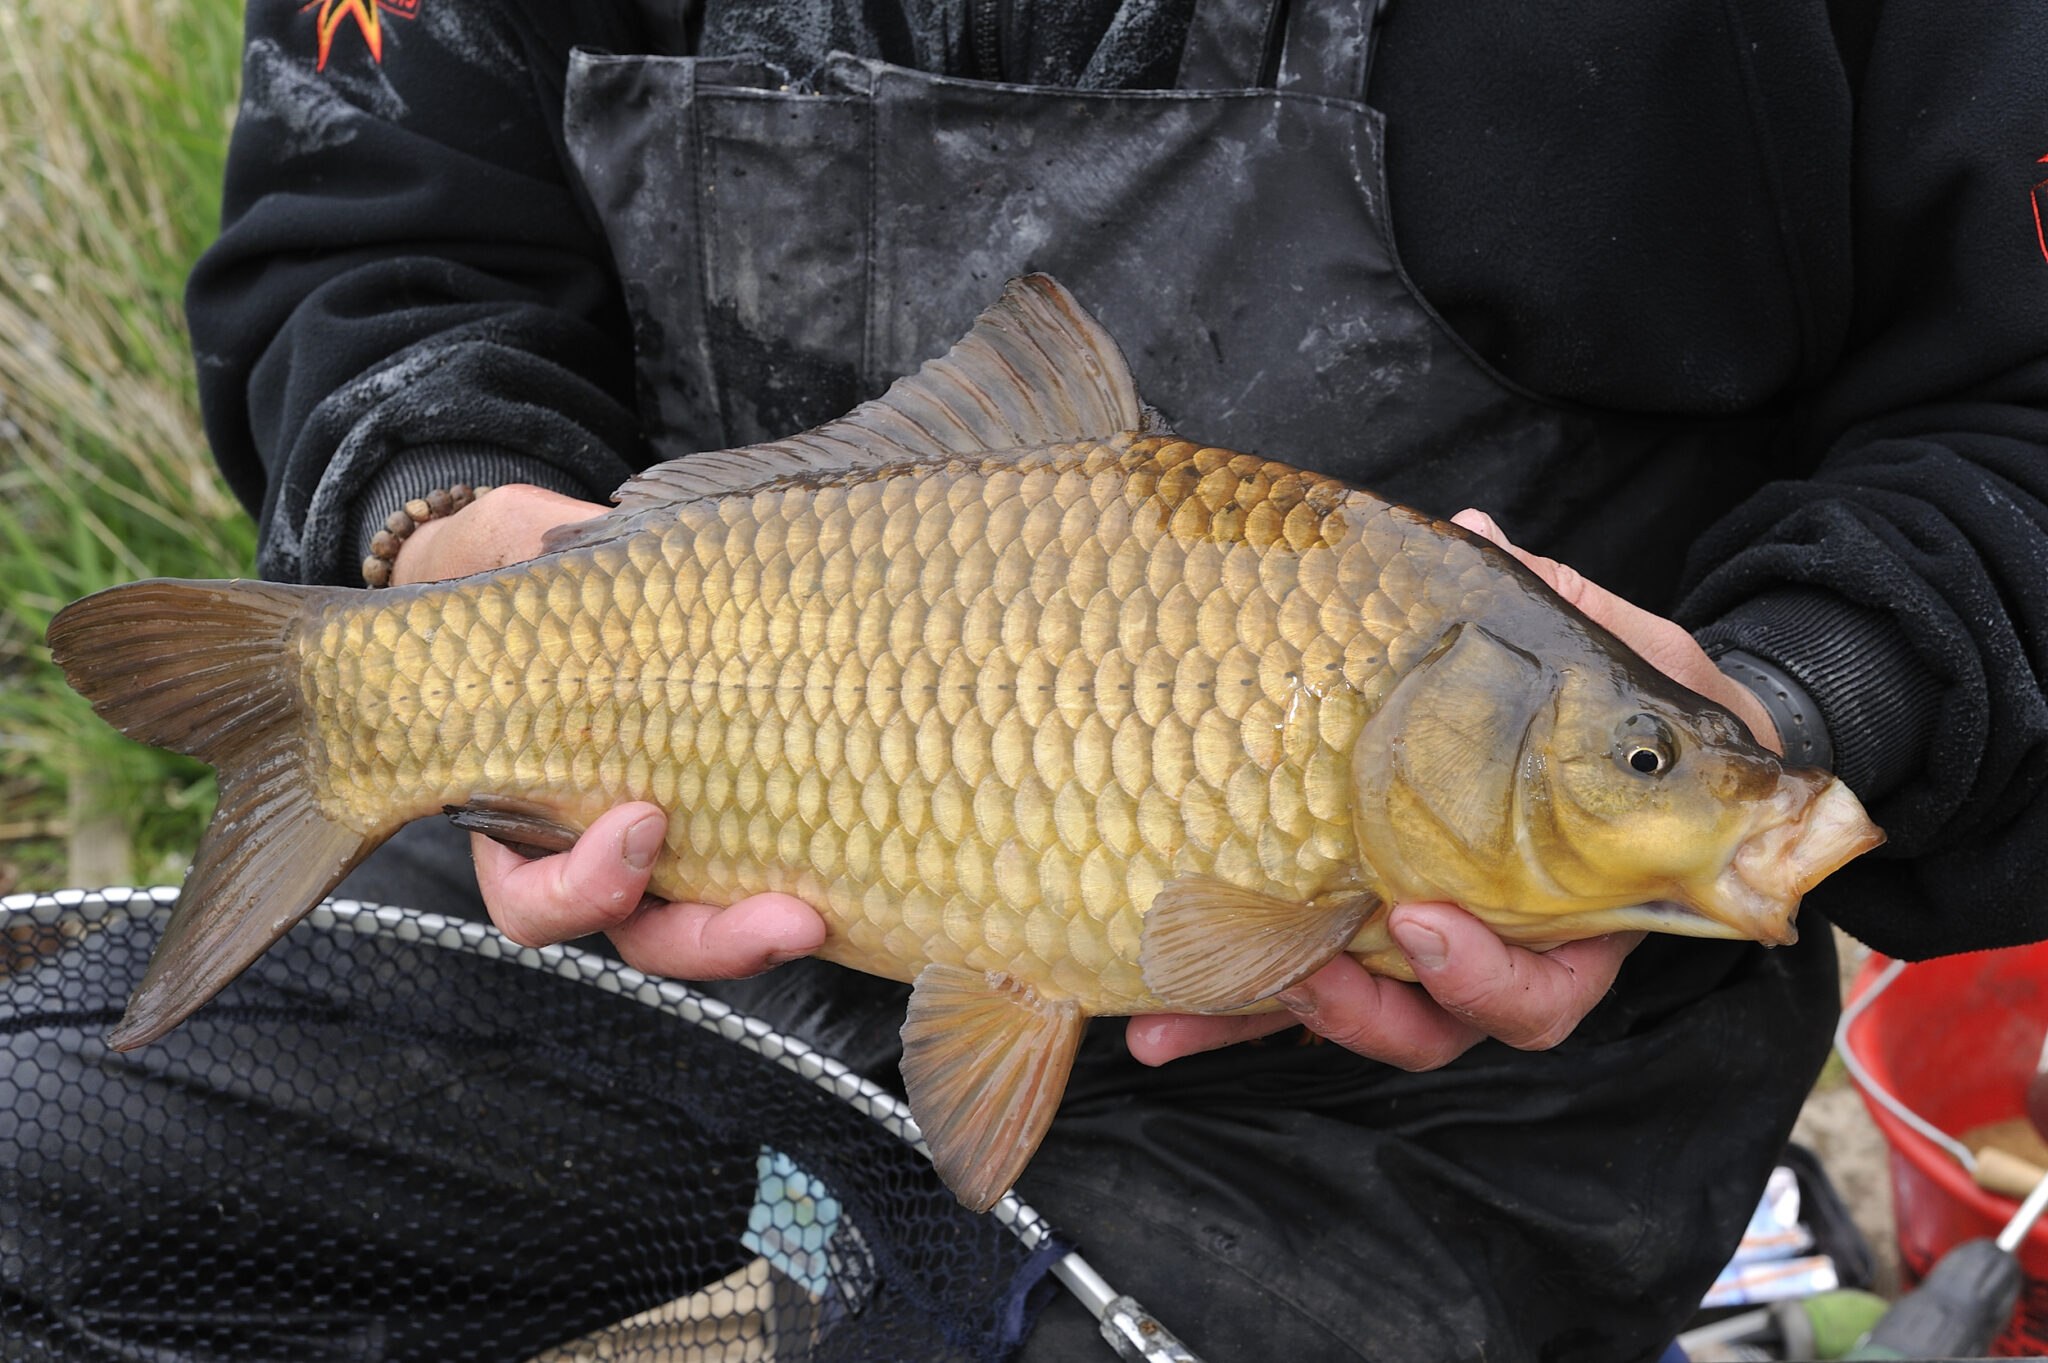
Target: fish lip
[{"x": 1808, "y": 829}]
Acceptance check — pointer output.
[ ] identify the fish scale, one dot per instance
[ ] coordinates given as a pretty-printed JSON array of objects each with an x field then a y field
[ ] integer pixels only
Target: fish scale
[
  {"x": 1047, "y": 711},
  {"x": 959, "y": 768}
]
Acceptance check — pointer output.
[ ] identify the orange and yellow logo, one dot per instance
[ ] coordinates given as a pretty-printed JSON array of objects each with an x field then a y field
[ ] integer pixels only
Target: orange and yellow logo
[{"x": 367, "y": 15}]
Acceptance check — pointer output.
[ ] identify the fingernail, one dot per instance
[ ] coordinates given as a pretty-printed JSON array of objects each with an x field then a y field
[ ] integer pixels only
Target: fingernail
[
  {"x": 1297, "y": 1000},
  {"x": 641, "y": 843},
  {"x": 1423, "y": 946}
]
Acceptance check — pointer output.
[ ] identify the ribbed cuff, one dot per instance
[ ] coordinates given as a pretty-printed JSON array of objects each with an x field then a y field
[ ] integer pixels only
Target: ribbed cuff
[
  {"x": 1876, "y": 697},
  {"x": 423, "y": 468},
  {"x": 1802, "y": 732}
]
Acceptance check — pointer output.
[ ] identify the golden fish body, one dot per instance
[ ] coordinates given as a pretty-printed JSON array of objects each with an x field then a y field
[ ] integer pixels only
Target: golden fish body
[
  {"x": 976, "y": 714},
  {"x": 1046, "y": 711}
]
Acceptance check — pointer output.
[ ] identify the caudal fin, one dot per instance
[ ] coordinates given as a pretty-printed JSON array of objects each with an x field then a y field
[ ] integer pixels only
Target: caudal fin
[{"x": 209, "y": 669}]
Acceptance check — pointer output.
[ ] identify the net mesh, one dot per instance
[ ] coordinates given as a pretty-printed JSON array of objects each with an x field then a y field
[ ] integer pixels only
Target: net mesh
[{"x": 402, "y": 1137}]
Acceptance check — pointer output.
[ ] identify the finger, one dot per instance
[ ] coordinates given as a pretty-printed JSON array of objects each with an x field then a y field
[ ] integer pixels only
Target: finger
[
  {"x": 1530, "y": 1000},
  {"x": 702, "y": 942},
  {"x": 592, "y": 887},
  {"x": 1664, "y": 644},
  {"x": 1614, "y": 612},
  {"x": 1383, "y": 1019},
  {"x": 1155, "y": 1038},
  {"x": 1483, "y": 525}
]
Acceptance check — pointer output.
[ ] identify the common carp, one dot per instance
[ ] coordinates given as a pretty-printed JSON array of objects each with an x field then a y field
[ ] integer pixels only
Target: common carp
[{"x": 1047, "y": 710}]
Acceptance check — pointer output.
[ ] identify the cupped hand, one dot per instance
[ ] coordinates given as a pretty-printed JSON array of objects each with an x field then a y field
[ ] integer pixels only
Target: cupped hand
[
  {"x": 598, "y": 885},
  {"x": 1470, "y": 985}
]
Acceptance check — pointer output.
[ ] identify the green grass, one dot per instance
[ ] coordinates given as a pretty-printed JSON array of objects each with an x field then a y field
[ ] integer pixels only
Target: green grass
[{"x": 113, "y": 126}]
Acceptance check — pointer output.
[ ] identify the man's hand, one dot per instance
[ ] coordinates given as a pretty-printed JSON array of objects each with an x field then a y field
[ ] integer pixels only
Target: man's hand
[
  {"x": 503, "y": 526},
  {"x": 1471, "y": 984},
  {"x": 597, "y": 885}
]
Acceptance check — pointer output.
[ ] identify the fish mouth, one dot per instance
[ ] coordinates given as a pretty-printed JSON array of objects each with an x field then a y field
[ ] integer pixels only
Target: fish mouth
[{"x": 1811, "y": 827}]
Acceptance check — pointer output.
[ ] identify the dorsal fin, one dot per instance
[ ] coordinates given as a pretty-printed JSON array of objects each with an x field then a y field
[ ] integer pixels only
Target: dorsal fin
[{"x": 1034, "y": 370}]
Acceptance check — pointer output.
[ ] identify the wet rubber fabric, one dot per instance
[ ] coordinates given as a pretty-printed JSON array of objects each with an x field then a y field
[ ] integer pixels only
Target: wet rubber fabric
[{"x": 791, "y": 243}]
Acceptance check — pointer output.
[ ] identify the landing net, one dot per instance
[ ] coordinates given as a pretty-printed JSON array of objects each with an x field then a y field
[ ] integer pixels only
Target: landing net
[{"x": 400, "y": 1136}]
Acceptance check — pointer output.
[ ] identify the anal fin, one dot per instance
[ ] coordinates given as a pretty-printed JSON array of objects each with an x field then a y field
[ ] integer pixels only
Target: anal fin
[
  {"x": 1211, "y": 947},
  {"x": 985, "y": 1060}
]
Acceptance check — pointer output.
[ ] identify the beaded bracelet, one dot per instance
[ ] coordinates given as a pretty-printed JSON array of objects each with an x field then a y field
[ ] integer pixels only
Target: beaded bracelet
[{"x": 385, "y": 544}]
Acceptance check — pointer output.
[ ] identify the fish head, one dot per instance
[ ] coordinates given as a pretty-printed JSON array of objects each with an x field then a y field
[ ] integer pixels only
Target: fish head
[
  {"x": 1567, "y": 792},
  {"x": 1660, "y": 801}
]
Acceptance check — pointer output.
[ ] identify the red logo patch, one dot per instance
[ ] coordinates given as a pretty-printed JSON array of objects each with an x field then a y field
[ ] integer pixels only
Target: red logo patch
[
  {"x": 367, "y": 15},
  {"x": 2041, "y": 199}
]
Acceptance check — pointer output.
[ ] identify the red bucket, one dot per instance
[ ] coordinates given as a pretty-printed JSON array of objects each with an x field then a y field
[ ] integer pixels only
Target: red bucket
[{"x": 1954, "y": 1041}]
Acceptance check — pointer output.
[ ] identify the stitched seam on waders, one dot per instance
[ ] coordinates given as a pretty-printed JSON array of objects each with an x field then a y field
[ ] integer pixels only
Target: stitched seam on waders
[
  {"x": 871, "y": 242},
  {"x": 711, "y": 248},
  {"x": 1383, "y": 214},
  {"x": 1774, "y": 185},
  {"x": 693, "y": 129}
]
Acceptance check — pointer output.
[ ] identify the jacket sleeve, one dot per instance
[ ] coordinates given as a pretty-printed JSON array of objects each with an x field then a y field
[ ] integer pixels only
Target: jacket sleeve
[
  {"x": 408, "y": 289},
  {"x": 1904, "y": 583}
]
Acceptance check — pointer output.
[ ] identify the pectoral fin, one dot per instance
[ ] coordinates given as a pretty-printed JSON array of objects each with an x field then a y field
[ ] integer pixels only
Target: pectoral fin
[
  {"x": 1209, "y": 947},
  {"x": 985, "y": 1061}
]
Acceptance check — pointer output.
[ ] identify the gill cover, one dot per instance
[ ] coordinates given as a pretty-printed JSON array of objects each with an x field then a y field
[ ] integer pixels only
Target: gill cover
[{"x": 1436, "y": 769}]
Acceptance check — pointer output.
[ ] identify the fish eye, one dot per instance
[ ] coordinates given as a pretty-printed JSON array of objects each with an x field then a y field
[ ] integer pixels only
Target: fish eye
[{"x": 1644, "y": 745}]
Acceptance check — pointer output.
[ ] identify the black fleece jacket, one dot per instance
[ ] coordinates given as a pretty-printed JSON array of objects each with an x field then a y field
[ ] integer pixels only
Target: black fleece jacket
[{"x": 1823, "y": 216}]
